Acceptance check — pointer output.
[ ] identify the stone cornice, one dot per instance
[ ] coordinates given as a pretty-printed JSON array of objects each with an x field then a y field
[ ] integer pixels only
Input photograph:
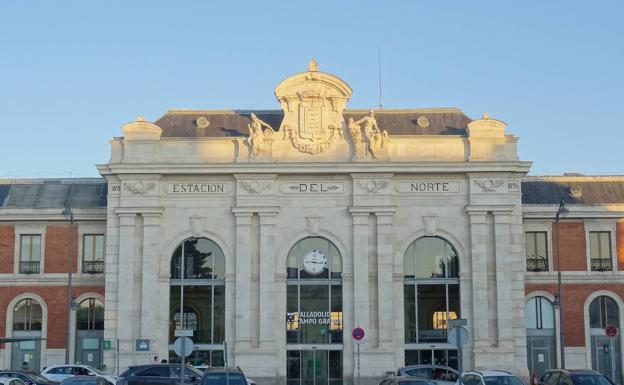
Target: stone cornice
[{"x": 49, "y": 215}]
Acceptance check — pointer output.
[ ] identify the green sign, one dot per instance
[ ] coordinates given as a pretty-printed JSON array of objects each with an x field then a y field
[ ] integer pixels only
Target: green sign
[
  {"x": 107, "y": 344},
  {"x": 142, "y": 346}
]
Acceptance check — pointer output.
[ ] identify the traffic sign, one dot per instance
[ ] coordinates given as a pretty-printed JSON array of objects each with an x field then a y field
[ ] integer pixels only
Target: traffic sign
[
  {"x": 611, "y": 331},
  {"x": 184, "y": 333},
  {"x": 142, "y": 345},
  {"x": 107, "y": 344},
  {"x": 358, "y": 333},
  {"x": 458, "y": 336},
  {"x": 183, "y": 346}
]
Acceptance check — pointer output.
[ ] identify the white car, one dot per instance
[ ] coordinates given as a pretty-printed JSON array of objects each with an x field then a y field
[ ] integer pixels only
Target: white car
[
  {"x": 61, "y": 372},
  {"x": 489, "y": 377}
]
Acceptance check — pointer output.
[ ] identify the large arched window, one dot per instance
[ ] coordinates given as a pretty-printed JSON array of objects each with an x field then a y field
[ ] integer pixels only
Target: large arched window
[
  {"x": 27, "y": 315},
  {"x": 431, "y": 298},
  {"x": 539, "y": 318},
  {"x": 197, "y": 280},
  {"x": 90, "y": 315},
  {"x": 605, "y": 351},
  {"x": 314, "y": 329}
]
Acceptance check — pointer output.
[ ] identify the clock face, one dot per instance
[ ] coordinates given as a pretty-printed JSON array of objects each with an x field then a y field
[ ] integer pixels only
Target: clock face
[{"x": 314, "y": 262}]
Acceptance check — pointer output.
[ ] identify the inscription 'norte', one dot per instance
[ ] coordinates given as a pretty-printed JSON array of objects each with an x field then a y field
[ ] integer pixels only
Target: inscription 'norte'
[{"x": 432, "y": 187}]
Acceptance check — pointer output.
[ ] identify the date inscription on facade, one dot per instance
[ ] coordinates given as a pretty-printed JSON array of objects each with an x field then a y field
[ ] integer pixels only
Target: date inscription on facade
[
  {"x": 197, "y": 188},
  {"x": 428, "y": 187},
  {"x": 313, "y": 188}
]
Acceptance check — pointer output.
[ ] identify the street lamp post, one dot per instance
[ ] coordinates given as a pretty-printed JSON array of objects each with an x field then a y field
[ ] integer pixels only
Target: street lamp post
[
  {"x": 68, "y": 214},
  {"x": 559, "y": 298}
]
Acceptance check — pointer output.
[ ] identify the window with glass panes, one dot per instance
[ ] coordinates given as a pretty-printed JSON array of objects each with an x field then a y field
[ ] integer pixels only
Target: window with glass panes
[
  {"x": 93, "y": 253},
  {"x": 536, "y": 251},
  {"x": 30, "y": 253},
  {"x": 600, "y": 250}
]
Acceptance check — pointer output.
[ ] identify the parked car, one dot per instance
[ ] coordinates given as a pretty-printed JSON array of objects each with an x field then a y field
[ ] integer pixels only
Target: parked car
[
  {"x": 224, "y": 376},
  {"x": 205, "y": 368},
  {"x": 406, "y": 380},
  {"x": 62, "y": 372},
  {"x": 159, "y": 374},
  {"x": 490, "y": 377},
  {"x": 11, "y": 381},
  {"x": 28, "y": 378},
  {"x": 574, "y": 376},
  {"x": 443, "y": 375},
  {"x": 85, "y": 380}
]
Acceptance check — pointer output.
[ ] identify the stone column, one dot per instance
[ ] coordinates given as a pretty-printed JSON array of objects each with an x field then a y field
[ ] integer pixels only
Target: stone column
[
  {"x": 126, "y": 301},
  {"x": 268, "y": 309},
  {"x": 385, "y": 254},
  {"x": 149, "y": 283},
  {"x": 360, "y": 270},
  {"x": 504, "y": 265},
  {"x": 243, "y": 282},
  {"x": 480, "y": 312}
]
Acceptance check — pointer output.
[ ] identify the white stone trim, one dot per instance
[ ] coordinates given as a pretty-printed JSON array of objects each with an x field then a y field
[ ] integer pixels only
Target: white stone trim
[
  {"x": 412, "y": 237},
  {"x": 73, "y": 322},
  {"x": 556, "y": 311},
  {"x": 27, "y": 229},
  {"x": 44, "y": 326},
  {"x": 588, "y": 302},
  {"x": 601, "y": 226},
  {"x": 284, "y": 248}
]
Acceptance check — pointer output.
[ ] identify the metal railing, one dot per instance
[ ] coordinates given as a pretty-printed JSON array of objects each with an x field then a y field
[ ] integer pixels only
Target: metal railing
[
  {"x": 537, "y": 264},
  {"x": 601, "y": 264},
  {"x": 93, "y": 267},
  {"x": 29, "y": 267}
]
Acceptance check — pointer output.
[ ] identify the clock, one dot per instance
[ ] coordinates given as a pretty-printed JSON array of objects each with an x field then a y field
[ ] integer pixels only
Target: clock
[{"x": 314, "y": 262}]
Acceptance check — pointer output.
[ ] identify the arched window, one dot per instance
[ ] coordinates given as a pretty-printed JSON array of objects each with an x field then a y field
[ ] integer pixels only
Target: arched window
[
  {"x": 431, "y": 299},
  {"x": 605, "y": 351},
  {"x": 27, "y": 315},
  {"x": 314, "y": 321},
  {"x": 90, "y": 315},
  {"x": 197, "y": 280},
  {"x": 539, "y": 316}
]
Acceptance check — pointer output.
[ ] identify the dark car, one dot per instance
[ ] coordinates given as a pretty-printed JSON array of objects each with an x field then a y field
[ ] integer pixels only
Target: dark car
[
  {"x": 29, "y": 378},
  {"x": 574, "y": 377},
  {"x": 159, "y": 374},
  {"x": 224, "y": 376},
  {"x": 85, "y": 380},
  {"x": 406, "y": 380}
]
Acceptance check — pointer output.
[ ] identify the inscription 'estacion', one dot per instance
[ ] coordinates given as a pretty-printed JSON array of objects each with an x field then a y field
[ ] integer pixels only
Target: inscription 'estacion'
[{"x": 197, "y": 188}]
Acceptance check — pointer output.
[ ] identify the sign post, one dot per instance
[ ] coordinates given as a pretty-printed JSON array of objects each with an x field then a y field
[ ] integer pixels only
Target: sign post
[
  {"x": 358, "y": 336},
  {"x": 458, "y": 335},
  {"x": 611, "y": 331}
]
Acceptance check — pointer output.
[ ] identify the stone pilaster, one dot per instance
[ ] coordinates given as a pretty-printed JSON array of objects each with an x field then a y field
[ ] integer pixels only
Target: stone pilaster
[
  {"x": 360, "y": 270},
  {"x": 504, "y": 264},
  {"x": 243, "y": 281},
  {"x": 385, "y": 254},
  {"x": 268, "y": 308},
  {"x": 126, "y": 301},
  {"x": 479, "y": 242},
  {"x": 150, "y": 295}
]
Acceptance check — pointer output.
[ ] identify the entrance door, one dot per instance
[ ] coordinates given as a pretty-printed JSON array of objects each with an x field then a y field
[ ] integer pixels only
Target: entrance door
[
  {"x": 25, "y": 355},
  {"x": 606, "y": 357},
  {"x": 314, "y": 367},
  {"x": 89, "y": 347},
  {"x": 541, "y": 352},
  {"x": 432, "y": 356}
]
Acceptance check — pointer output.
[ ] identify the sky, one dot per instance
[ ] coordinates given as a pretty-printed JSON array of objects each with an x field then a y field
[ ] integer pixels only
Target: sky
[{"x": 73, "y": 72}]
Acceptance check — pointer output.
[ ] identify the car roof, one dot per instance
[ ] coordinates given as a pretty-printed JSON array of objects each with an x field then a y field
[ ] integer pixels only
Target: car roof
[
  {"x": 572, "y": 371},
  {"x": 489, "y": 373}
]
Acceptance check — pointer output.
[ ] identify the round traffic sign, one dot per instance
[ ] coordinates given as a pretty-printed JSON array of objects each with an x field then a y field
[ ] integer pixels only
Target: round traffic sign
[
  {"x": 358, "y": 333},
  {"x": 188, "y": 346},
  {"x": 611, "y": 331},
  {"x": 458, "y": 332}
]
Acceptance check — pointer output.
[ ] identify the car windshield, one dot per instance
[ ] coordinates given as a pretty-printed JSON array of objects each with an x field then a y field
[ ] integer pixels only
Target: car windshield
[
  {"x": 220, "y": 379},
  {"x": 590, "y": 379},
  {"x": 94, "y": 370},
  {"x": 80, "y": 381},
  {"x": 502, "y": 380},
  {"x": 38, "y": 378},
  {"x": 420, "y": 372}
]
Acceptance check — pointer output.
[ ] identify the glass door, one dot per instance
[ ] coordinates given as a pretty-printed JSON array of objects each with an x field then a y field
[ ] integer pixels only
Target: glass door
[
  {"x": 314, "y": 367},
  {"x": 606, "y": 356}
]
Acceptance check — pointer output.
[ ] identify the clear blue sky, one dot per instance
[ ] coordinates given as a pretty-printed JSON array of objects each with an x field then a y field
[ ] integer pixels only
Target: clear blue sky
[{"x": 71, "y": 73}]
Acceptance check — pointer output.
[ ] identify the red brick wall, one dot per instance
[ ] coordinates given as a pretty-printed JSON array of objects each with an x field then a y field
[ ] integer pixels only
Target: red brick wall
[
  {"x": 55, "y": 298},
  {"x": 619, "y": 244},
  {"x": 57, "y": 247},
  {"x": 7, "y": 248},
  {"x": 574, "y": 297},
  {"x": 572, "y": 237}
]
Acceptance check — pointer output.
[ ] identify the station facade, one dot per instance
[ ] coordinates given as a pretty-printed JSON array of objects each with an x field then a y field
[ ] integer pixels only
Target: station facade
[{"x": 271, "y": 235}]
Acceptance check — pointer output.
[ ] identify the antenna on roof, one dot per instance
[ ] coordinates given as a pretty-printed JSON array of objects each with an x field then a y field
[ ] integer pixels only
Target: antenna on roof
[{"x": 379, "y": 67}]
